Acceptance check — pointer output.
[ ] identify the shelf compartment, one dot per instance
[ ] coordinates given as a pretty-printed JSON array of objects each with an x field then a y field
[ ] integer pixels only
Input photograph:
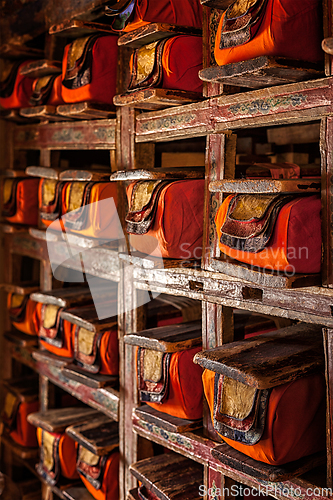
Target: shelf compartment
[
  {"x": 265, "y": 472},
  {"x": 105, "y": 400},
  {"x": 154, "y": 99},
  {"x": 86, "y": 111},
  {"x": 268, "y": 360},
  {"x": 158, "y": 173},
  {"x": 87, "y": 317},
  {"x": 166, "y": 422},
  {"x": 172, "y": 338},
  {"x": 43, "y": 67},
  {"x": 22, "y": 452},
  {"x": 153, "y": 32},
  {"x": 99, "y": 435},
  {"x": 21, "y": 339},
  {"x": 44, "y": 112},
  {"x": 64, "y": 297},
  {"x": 93, "y": 380},
  {"x": 76, "y": 28},
  {"x": 262, "y": 72},
  {"x": 57, "y": 420},
  {"x": 169, "y": 475},
  {"x": 244, "y": 186},
  {"x": 43, "y": 172},
  {"x": 77, "y": 493},
  {"x": 84, "y": 175}
]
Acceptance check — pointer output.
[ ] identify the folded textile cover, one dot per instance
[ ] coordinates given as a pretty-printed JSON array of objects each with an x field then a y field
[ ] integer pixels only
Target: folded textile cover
[
  {"x": 132, "y": 14},
  {"x": 89, "y": 69},
  {"x": 170, "y": 382},
  {"x": 14, "y": 416},
  {"x": 283, "y": 28},
  {"x": 46, "y": 90},
  {"x": 15, "y": 89},
  {"x": 166, "y": 219},
  {"x": 274, "y": 426},
  {"x": 100, "y": 474},
  {"x": 97, "y": 352},
  {"x": 172, "y": 63},
  {"x": 279, "y": 232},
  {"x": 21, "y": 311},
  {"x": 55, "y": 334},
  {"x": 20, "y": 200}
]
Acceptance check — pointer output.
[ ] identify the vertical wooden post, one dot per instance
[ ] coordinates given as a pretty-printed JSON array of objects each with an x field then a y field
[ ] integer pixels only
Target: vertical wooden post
[
  {"x": 326, "y": 143},
  {"x": 328, "y": 346}
]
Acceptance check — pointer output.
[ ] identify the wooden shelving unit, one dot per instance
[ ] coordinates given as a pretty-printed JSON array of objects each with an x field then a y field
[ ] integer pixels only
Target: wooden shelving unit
[{"x": 133, "y": 141}]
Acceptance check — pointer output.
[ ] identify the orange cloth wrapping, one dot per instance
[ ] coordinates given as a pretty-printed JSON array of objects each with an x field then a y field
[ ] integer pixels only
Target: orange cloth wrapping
[
  {"x": 24, "y": 208},
  {"x": 184, "y": 13},
  {"x": 67, "y": 350},
  {"x": 104, "y": 63},
  {"x": 100, "y": 353},
  {"x": 21, "y": 93},
  {"x": 295, "y": 243},
  {"x": 25, "y": 433},
  {"x": 289, "y": 29},
  {"x": 295, "y": 420},
  {"x": 110, "y": 483},
  {"x": 184, "y": 387},
  {"x": 177, "y": 228},
  {"x": 67, "y": 453},
  {"x": 27, "y": 325}
]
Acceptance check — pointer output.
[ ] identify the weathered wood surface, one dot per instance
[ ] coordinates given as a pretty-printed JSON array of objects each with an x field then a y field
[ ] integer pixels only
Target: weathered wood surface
[
  {"x": 153, "y": 99},
  {"x": 18, "y": 51},
  {"x": 57, "y": 420},
  {"x": 42, "y": 113},
  {"x": 13, "y": 174},
  {"x": 328, "y": 346},
  {"x": 296, "y": 134},
  {"x": 25, "y": 389},
  {"x": 168, "y": 476},
  {"x": 261, "y": 72},
  {"x": 105, "y": 400},
  {"x": 165, "y": 421},
  {"x": 260, "y": 276},
  {"x": 44, "y": 356},
  {"x": 76, "y": 28},
  {"x": 84, "y": 175},
  {"x": 217, "y": 4},
  {"x": 13, "y": 115},
  {"x": 64, "y": 297},
  {"x": 266, "y": 186},
  {"x": 292, "y": 103},
  {"x": 326, "y": 136},
  {"x": 24, "y": 355},
  {"x": 77, "y": 493},
  {"x": 87, "y": 317},
  {"x": 20, "y": 288},
  {"x": 158, "y": 173},
  {"x": 94, "y": 380},
  {"x": 270, "y": 359},
  {"x": 172, "y": 338},
  {"x": 43, "y": 67},
  {"x": 266, "y": 472},
  {"x": 99, "y": 435},
  {"x": 154, "y": 31},
  {"x": 43, "y": 172},
  {"x": 22, "y": 452},
  {"x": 69, "y": 135},
  {"x": 86, "y": 111},
  {"x": 21, "y": 339}
]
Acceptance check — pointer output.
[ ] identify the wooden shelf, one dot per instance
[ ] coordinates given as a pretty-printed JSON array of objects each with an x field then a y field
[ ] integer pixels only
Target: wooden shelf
[
  {"x": 87, "y": 317},
  {"x": 64, "y": 297},
  {"x": 153, "y": 32},
  {"x": 75, "y": 28},
  {"x": 57, "y": 420},
  {"x": 13, "y": 174},
  {"x": 21, "y": 452},
  {"x": 17, "y": 51},
  {"x": 165, "y": 421},
  {"x": 13, "y": 115},
  {"x": 43, "y": 67},
  {"x": 217, "y": 4},
  {"x": 99, "y": 435},
  {"x": 42, "y": 113},
  {"x": 86, "y": 111},
  {"x": 262, "y": 72},
  {"x": 158, "y": 173},
  {"x": 20, "y": 289},
  {"x": 83, "y": 176},
  {"x": 24, "y": 355},
  {"x": 43, "y": 172},
  {"x": 93, "y": 380},
  {"x": 297, "y": 186},
  {"x": 21, "y": 339},
  {"x": 155, "y": 98}
]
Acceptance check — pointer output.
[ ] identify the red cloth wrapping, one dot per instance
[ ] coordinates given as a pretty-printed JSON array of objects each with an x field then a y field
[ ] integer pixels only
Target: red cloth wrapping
[
  {"x": 25, "y": 433},
  {"x": 184, "y": 13},
  {"x": 295, "y": 420},
  {"x": 26, "y": 202},
  {"x": 289, "y": 29},
  {"x": 67, "y": 454},
  {"x": 177, "y": 228},
  {"x": 102, "y": 87},
  {"x": 295, "y": 244},
  {"x": 21, "y": 94},
  {"x": 110, "y": 485}
]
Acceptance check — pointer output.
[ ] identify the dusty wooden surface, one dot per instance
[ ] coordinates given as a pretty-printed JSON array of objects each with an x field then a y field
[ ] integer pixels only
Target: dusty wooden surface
[
  {"x": 152, "y": 32},
  {"x": 158, "y": 173},
  {"x": 84, "y": 175},
  {"x": 86, "y": 111},
  {"x": 165, "y": 421},
  {"x": 75, "y": 28},
  {"x": 57, "y": 420},
  {"x": 42, "y": 67},
  {"x": 266, "y": 186},
  {"x": 155, "y": 98},
  {"x": 94, "y": 380},
  {"x": 64, "y": 297},
  {"x": 99, "y": 435},
  {"x": 329, "y": 411}
]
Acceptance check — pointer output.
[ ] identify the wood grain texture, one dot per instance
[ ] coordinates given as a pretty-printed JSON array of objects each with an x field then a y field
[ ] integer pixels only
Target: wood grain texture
[
  {"x": 86, "y": 111},
  {"x": 152, "y": 99},
  {"x": 87, "y": 317},
  {"x": 84, "y": 175},
  {"x": 94, "y": 380},
  {"x": 64, "y": 297},
  {"x": 43, "y": 172},
  {"x": 328, "y": 346},
  {"x": 165, "y": 421},
  {"x": 270, "y": 359},
  {"x": 40, "y": 68},
  {"x": 154, "y": 31},
  {"x": 266, "y": 186},
  {"x": 158, "y": 173},
  {"x": 99, "y": 435},
  {"x": 57, "y": 420},
  {"x": 76, "y": 28},
  {"x": 42, "y": 113}
]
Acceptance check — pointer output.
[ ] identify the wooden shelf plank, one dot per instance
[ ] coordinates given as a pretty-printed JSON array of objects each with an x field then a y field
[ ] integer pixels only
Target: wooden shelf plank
[
  {"x": 84, "y": 175},
  {"x": 217, "y": 4},
  {"x": 13, "y": 115},
  {"x": 43, "y": 172},
  {"x": 266, "y": 472},
  {"x": 87, "y": 317},
  {"x": 44, "y": 112},
  {"x": 270, "y": 359},
  {"x": 153, "y": 99},
  {"x": 154, "y": 31},
  {"x": 172, "y": 338},
  {"x": 57, "y": 420},
  {"x": 21, "y": 339},
  {"x": 13, "y": 174},
  {"x": 99, "y": 435},
  {"x": 44, "y": 356},
  {"x": 158, "y": 173},
  {"x": 64, "y": 297},
  {"x": 40, "y": 68},
  {"x": 86, "y": 111},
  {"x": 266, "y": 186},
  {"x": 22, "y": 452},
  {"x": 263, "y": 277},
  {"x": 19, "y": 51},
  {"x": 76, "y": 28},
  {"x": 24, "y": 355},
  {"x": 165, "y": 421},
  {"x": 261, "y": 72},
  {"x": 20, "y": 288},
  {"x": 77, "y": 493},
  {"x": 170, "y": 475},
  {"x": 94, "y": 380}
]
